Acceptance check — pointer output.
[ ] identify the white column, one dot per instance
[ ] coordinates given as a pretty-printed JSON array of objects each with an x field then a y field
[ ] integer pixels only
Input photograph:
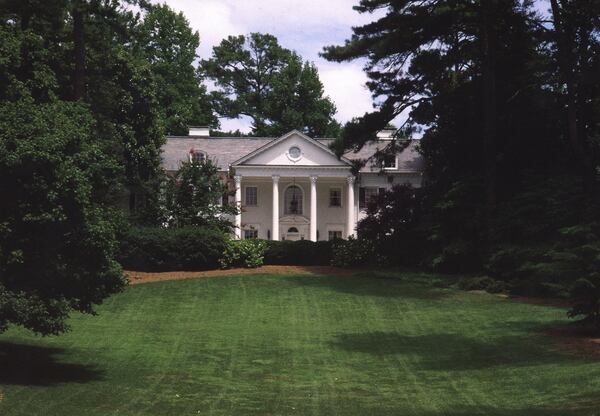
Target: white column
[
  {"x": 275, "y": 224},
  {"x": 350, "y": 222},
  {"x": 313, "y": 208},
  {"x": 237, "y": 179}
]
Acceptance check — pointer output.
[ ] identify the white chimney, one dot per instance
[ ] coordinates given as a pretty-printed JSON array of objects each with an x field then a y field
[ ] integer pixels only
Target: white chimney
[
  {"x": 386, "y": 134},
  {"x": 203, "y": 131}
]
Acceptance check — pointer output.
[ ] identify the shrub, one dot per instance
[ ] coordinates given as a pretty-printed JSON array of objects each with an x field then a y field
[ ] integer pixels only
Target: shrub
[
  {"x": 166, "y": 249},
  {"x": 355, "y": 252},
  {"x": 243, "y": 253},
  {"x": 481, "y": 283},
  {"x": 458, "y": 256},
  {"x": 537, "y": 288},
  {"x": 300, "y": 253},
  {"x": 585, "y": 295}
]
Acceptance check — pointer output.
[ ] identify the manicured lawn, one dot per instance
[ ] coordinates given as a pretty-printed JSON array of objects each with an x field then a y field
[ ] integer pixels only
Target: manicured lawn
[{"x": 299, "y": 345}]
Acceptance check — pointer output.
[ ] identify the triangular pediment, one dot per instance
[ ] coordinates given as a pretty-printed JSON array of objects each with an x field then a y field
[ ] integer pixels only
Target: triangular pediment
[{"x": 292, "y": 149}]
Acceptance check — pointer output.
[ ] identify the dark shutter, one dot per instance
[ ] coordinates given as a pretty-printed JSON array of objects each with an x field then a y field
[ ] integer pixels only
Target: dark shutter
[
  {"x": 361, "y": 197},
  {"x": 380, "y": 191}
]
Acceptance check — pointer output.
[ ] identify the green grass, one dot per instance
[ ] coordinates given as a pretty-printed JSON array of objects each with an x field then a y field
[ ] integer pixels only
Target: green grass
[{"x": 299, "y": 345}]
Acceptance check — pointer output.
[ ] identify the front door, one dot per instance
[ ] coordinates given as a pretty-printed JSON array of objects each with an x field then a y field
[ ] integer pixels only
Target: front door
[
  {"x": 293, "y": 234},
  {"x": 294, "y": 227}
]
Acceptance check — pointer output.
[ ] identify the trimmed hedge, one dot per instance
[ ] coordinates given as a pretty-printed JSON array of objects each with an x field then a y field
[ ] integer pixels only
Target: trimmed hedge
[
  {"x": 356, "y": 252},
  {"x": 167, "y": 249},
  {"x": 299, "y": 253},
  {"x": 202, "y": 248},
  {"x": 243, "y": 253}
]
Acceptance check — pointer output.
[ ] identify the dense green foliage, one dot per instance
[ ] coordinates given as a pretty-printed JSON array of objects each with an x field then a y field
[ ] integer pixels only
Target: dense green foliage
[
  {"x": 270, "y": 84},
  {"x": 195, "y": 195},
  {"x": 152, "y": 249},
  {"x": 243, "y": 253},
  {"x": 167, "y": 42},
  {"x": 374, "y": 344},
  {"x": 392, "y": 225},
  {"x": 508, "y": 105},
  {"x": 356, "y": 253},
  {"x": 299, "y": 253},
  {"x": 57, "y": 231},
  {"x": 78, "y": 103}
]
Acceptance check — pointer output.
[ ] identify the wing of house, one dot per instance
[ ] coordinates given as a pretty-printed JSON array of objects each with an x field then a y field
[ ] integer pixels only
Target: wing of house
[{"x": 294, "y": 187}]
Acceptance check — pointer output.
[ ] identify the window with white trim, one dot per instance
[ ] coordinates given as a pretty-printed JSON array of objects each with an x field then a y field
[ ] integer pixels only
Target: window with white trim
[
  {"x": 368, "y": 194},
  {"x": 197, "y": 156},
  {"x": 250, "y": 234},
  {"x": 251, "y": 196},
  {"x": 292, "y": 200},
  {"x": 389, "y": 162},
  {"x": 335, "y": 197},
  {"x": 335, "y": 235}
]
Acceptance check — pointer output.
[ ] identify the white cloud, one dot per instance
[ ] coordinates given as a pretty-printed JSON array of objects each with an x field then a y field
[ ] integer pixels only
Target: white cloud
[
  {"x": 213, "y": 19},
  {"x": 345, "y": 85},
  {"x": 242, "y": 124}
]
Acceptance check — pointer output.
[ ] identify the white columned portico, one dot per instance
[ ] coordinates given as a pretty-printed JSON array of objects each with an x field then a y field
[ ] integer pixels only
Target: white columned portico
[
  {"x": 313, "y": 208},
  {"x": 237, "y": 179},
  {"x": 275, "y": 224},
  {"x": 350, "y": 215}
]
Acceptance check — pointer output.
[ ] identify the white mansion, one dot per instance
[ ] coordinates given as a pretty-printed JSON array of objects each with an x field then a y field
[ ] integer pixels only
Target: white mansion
[{"x": 294, "y": 187}]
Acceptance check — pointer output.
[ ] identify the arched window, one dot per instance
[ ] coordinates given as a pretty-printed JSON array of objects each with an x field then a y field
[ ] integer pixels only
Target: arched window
[
  {"x": 293, "y": 200},
  {"x": 292, "y": 230}
]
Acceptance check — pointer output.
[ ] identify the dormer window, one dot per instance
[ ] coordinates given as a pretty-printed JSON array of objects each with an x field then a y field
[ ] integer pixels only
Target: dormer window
[
  {"x": 197, "y": 156},
  {"x": 389, "y": 162}
]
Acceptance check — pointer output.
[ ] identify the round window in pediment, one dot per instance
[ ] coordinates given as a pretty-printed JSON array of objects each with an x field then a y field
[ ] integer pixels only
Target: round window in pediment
[{"x": 294, "y": 153}]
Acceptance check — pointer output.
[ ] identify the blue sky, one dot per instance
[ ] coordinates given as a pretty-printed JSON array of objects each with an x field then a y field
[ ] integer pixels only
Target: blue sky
[{"x": 302, "y": 25}]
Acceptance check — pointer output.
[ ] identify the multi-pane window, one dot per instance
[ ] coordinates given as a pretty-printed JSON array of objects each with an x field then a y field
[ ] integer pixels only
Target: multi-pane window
[
  {"x": 293, "y": 200},
  {"x": 251, "y": 196},
  {"x": 335, "y": 197},
  {"x": 368, "y": 194},
  {"x": 335, "y": 234},
  {"x": 197, "y": 157},
  {"x": 250, "y": 234}
]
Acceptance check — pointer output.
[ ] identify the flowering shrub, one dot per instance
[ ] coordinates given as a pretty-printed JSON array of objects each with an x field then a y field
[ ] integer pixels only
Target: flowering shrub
[{"x": 243, "y": 253}]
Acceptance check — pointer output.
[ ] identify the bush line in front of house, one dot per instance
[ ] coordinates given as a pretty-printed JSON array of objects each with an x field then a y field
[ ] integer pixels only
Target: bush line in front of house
[{"x": 201, "y": 248}]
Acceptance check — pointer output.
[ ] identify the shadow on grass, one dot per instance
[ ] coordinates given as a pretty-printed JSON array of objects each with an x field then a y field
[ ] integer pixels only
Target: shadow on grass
[
  {"x": 24, "y": 364},
  {"x": 376, "y": 285},
  {"x": 449, "y": 352},
  {"x": 578, "y": 408}
]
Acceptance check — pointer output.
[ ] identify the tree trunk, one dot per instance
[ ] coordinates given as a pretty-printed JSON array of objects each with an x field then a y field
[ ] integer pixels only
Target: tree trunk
[
  {"x": 566, "y": 62},
  {"x": 490, "y": 111},
  {"x": 79, "y": 52}
]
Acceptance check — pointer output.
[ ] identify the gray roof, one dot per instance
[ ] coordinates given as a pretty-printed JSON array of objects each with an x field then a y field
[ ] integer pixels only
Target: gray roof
[
  {"x": 221, "y": 150},
  {"x": 409, "y": 159},
  {"x": 226, "y": 150}
]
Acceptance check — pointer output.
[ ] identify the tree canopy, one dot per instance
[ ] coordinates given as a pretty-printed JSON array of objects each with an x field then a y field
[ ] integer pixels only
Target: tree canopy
[
  {"x": 506, "y": 102},
  {"x": 198, "y": 196},
  {"x": 167, "y": 42},
  {"x": 86, "y": 90},
  {"x": 57, "y": 239},
  {"x": 258, "y": 78}
]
